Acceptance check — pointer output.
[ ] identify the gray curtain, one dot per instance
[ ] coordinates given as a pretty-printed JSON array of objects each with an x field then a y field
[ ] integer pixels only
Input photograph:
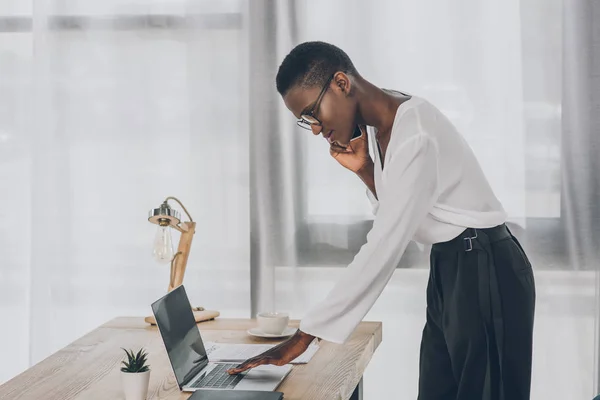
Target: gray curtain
[
  {"x": 581, "y": 142},
  {"x": 580, "y": 136},
  {"x": 276, "y": 194}
]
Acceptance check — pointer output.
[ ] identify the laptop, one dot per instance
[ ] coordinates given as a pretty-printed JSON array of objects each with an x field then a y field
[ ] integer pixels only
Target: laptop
[{"x": 188, "y": 356}]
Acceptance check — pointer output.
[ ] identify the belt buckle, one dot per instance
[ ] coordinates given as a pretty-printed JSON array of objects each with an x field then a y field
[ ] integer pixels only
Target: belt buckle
[{"x": 469, "y": 241}]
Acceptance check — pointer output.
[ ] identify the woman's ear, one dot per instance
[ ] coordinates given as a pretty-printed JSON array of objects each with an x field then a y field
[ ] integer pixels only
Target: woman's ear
[{"x": 343, "y": 83}]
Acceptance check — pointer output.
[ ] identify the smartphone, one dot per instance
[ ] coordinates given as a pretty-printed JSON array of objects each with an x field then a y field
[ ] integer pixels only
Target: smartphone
[{"x": 357, "y": 132}]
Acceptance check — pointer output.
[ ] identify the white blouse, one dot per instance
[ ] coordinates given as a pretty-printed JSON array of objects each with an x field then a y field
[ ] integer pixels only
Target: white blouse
[{"x": 430, "y": 189}]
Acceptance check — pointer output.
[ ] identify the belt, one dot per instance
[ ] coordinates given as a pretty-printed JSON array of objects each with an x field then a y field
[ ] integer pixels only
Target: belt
[
  {"x": 466, "y": 240},
  {"x": 490, "y": 302}
]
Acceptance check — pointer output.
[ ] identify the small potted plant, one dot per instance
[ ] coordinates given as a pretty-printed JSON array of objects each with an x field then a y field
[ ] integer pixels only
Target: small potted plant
[{"x": 135, "y": 375}]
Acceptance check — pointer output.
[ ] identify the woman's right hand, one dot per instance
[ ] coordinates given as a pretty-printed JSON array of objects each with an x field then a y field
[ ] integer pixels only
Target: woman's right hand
[{"x": 356, "y": 156}]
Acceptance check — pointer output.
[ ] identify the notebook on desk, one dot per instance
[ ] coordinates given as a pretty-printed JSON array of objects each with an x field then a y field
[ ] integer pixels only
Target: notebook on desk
[{"x": 235, "y": 395}]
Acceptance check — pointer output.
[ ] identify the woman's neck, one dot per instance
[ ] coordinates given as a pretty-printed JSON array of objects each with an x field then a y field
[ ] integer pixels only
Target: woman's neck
[{"x": 377, "y": 107}]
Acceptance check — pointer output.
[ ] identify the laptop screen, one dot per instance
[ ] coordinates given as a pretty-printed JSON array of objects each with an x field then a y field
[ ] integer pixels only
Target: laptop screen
[{"x": 180, "y": 334}]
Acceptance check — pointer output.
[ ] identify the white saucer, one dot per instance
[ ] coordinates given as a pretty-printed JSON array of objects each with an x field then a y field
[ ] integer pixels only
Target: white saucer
[{"x": 289, "y": 331}]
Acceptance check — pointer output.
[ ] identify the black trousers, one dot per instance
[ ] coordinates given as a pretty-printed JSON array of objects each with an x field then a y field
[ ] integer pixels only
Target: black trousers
[{"x": 477, "y": 341}]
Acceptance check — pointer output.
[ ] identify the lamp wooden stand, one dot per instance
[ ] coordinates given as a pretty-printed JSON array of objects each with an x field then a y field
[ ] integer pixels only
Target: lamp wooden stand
[{"x": 163, "y": 216}]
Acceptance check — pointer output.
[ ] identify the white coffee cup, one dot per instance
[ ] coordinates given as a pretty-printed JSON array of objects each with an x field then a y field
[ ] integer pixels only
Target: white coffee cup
[{"x": 272, "y": 323}]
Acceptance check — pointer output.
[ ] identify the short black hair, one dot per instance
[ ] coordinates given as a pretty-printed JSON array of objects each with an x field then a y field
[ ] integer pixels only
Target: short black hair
[{"x": 311, "y": 64}]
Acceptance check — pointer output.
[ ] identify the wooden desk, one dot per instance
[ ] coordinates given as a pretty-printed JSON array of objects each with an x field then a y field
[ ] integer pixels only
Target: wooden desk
[{"x": 89, "y": 368}]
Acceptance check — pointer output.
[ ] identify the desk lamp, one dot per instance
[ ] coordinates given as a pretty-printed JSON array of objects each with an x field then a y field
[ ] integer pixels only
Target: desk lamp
[{"x": 166, "y": 218}]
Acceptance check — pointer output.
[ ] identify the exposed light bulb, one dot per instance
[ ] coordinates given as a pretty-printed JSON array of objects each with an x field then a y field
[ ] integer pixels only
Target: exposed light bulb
[{"x": 163, "y": 245}]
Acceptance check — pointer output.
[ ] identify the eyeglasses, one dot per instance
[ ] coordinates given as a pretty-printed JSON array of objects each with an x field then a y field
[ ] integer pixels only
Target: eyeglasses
[{"x": 307, "y": 120}]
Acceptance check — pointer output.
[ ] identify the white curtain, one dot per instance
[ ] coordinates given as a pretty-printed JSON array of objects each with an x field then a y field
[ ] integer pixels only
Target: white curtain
[{"x": 107, "y": 107}]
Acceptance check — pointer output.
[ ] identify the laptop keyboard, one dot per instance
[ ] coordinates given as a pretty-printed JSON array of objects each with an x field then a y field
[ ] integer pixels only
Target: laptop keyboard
[{"x": 218, "y": 378}]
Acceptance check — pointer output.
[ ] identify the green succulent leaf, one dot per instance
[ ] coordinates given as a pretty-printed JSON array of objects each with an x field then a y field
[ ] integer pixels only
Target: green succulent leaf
[{"x": 136, "y": 362}]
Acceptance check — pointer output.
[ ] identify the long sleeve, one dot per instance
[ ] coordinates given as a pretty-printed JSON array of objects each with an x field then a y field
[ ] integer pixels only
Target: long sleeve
[{"x": 410, "y": 187}]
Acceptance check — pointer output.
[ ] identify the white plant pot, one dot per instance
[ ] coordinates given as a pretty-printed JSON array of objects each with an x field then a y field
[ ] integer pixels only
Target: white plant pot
[{"x": 135, "y": 385}]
